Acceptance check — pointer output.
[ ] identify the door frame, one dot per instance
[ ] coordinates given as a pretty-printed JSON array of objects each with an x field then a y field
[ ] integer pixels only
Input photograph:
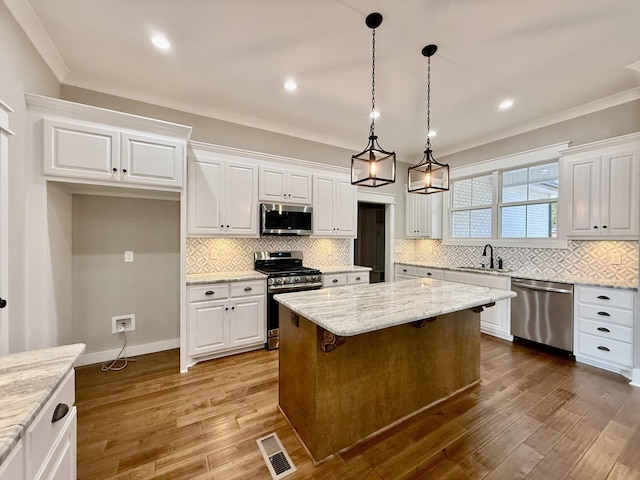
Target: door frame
[
  {"x": 5, "y": 133},
  {"x": 389, "y": 202}
]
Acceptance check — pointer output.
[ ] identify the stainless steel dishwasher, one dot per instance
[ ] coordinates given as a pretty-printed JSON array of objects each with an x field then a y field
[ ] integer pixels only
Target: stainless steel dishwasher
[{"x": 543, "y": 312}]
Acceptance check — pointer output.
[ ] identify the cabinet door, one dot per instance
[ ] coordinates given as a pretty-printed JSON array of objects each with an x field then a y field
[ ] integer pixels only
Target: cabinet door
[
  {"x": 247, "y": 321},
  {"x": 205, "y": 197},
  {"x": 208, "y": 329},
  {"x": 323, "y": 200},
  {"x": 13, "y": 466},
  {"x": 345, "y": 208},
  {"x": 61, "y": 464},
  {"x": 241, "y": 213},
  {"x": 272, "y": 184},
  {"x": 619, "y": 213},
  {"x": 82, "y": 151},
  {"x": 410, "y": 215},
  {"x": 151, "y": 160},
  {"x": 299, "y": 188},
  {"x": 582, "y": 179}
]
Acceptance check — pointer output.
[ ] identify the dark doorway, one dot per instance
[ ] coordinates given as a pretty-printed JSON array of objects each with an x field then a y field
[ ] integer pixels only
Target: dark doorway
[{"x": 369, "y": 246}]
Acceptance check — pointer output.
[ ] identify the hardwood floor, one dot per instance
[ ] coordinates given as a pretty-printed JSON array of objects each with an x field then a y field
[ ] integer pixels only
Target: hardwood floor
[{"x": 534, "y": 416}]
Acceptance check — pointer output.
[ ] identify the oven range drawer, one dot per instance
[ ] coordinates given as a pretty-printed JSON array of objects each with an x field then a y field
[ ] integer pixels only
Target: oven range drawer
[
  {"x": 212, "y": 291},
  {"x": 246, "y": 289}
]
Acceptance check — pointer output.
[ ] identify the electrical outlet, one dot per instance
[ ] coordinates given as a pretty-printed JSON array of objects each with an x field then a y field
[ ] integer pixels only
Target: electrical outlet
[
  {"x": 128, "y": 256},
  {"x": 123, "y": 323}
]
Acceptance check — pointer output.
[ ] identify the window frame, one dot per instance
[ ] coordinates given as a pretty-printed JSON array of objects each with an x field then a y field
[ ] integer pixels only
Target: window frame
[{"x": 496, "y": 167}]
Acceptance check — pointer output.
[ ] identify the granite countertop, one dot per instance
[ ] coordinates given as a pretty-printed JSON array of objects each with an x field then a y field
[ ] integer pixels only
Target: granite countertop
[
  {"x": 355, "y": 309},
  {"x": 27, "y": 380},
  {"x": 223, "y": 277},
  {"x": 547, "y": 277},
  {"x": 344, "y": 269}
]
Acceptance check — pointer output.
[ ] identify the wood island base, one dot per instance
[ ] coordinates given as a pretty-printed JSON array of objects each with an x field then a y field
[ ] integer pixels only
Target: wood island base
[{"x": 337, "y": 391}]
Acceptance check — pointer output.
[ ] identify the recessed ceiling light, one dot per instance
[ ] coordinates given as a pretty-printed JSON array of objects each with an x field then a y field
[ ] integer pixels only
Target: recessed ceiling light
[
  {"x": 161, "y": 42},
  {"x": 506, "y": 104},
  {"x": 290, "y": 85},
  {"x": 375, "y": 114},
  {"x": 432, "y": 133}
]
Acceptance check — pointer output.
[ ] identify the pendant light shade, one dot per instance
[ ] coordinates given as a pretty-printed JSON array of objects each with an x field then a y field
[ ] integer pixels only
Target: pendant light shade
[
  {"x": 377, "y": 167},
  {"x": 428, "y": 176}
]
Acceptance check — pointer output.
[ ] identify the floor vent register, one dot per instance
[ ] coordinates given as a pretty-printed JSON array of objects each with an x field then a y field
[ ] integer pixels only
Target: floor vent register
[{"x": 277, "y": 459}]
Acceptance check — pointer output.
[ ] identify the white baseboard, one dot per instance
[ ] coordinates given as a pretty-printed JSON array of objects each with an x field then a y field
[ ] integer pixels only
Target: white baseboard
[
  {"x": 131, "y": 351},
  {"x": 635, "y": 377}
]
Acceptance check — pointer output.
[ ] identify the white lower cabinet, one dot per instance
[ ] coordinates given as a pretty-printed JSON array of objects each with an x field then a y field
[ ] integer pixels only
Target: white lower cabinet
[
  {"x": 338, "y": 279},
  {"x": 225, "y": 318},
  {"x": 407, "y": 272},
  {"x": 603, "y": 332},
  {"x": 13, "y": 466},
  {"x": 50, "y": 441},
  {"x": 495, "y": 320}
]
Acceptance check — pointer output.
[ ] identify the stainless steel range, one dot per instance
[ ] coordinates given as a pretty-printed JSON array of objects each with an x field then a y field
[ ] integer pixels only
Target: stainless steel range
[{"x": 285, "y": 273}]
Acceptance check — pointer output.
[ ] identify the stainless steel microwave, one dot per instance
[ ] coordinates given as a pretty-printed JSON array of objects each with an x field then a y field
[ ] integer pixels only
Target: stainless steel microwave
[{"x": 278, "y": 219}]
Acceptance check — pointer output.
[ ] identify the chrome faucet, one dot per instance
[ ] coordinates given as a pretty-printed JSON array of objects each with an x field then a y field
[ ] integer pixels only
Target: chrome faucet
[{"x": 484, "y": 254}]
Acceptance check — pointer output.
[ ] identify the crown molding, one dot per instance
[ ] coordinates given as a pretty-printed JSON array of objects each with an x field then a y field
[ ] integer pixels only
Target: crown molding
[
  {"x": 579, "y": 111},
  {"x": 30, "y": 23}
]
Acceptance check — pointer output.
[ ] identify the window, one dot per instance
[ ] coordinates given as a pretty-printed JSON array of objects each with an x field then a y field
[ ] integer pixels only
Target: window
[
  {"x": 529, "y": 202},
  {"x": 513, "y": 200}
]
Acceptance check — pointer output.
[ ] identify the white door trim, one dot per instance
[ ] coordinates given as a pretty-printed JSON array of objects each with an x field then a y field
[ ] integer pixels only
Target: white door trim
[
  {"x": 5, "y": 110},
  {"x": 389, "y": 201}
]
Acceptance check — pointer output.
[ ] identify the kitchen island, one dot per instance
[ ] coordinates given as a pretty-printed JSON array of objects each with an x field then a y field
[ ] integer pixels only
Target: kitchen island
[{"x": 357, "y": 359}]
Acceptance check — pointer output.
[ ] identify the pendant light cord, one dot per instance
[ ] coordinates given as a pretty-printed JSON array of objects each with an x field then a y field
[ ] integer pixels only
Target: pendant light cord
[
  {"x": 373, "y": 82},
  {"x": 428, "y": 144}
]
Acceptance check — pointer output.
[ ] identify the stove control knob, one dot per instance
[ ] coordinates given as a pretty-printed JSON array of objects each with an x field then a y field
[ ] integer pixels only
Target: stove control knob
[
  {"x": 287, "y": 280},
  {"x": 309, "y": 279},
  {"x": 270, "y": 281},
  {"x": 296, "y": 279},
  {"x": 279, "y": 281}
]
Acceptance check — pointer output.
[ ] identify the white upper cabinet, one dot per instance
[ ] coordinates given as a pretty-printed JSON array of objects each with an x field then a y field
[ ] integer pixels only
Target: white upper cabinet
[
  {"x": 423, "y": 215},
  {"x": 278, "y": 185},
  {"x": 84, "y": 144},
  {"x": 601, "y": 189},
  {"x": 334, "y": 207},
  {"x": 222, "y": 196}
]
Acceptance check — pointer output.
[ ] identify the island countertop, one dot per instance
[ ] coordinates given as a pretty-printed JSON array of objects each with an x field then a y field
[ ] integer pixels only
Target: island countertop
[{"x": 356, "y": 309}]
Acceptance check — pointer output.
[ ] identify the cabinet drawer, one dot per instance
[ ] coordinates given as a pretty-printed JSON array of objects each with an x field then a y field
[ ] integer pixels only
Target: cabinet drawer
[
  {"x": 334, "y": 280},
  {"x": 43, "y": 432},
  {"x": 605, "y": 314},
  {"x": 245, "y": 289},
  {"x": 406, "y": 270},
  {"x": 213, "y": 291},
  {"x": 607, "y": 297},
  {"x": 606, "y": 330},
  {"x": 13, "y": 466},
  {"x": 358, "y": 277},
  {"x": 606, "y": 350},
  {"x": 425, "y": 272}
]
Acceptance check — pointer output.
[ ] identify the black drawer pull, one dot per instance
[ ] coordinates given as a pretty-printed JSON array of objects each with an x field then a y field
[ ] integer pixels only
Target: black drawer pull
[
  {"x": 60, "y": 412},
  {"x": 429, "y": 274},
  {"x": 603, "y": 348},
  {"x": 209, "y": 292},
  {"x": 603, "y": 297},
  {"x": 247, "y": 289},
  {"x": 357, "y": 278},
  {"x": 404, "y": 270},
  {"x": 604, "y": 314},
  {"x": 603, "y": 329},
  {"x": 335, "y": 280}
]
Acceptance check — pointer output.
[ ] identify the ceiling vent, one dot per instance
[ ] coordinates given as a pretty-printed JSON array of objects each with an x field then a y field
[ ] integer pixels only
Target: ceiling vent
[{"x": 277, "y": 459}]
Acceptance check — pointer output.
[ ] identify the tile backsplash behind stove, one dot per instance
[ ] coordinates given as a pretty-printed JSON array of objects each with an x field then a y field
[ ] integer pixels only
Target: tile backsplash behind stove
[
  {"x": 593, "y": 259},
  {"x": 211, "y": 255}
]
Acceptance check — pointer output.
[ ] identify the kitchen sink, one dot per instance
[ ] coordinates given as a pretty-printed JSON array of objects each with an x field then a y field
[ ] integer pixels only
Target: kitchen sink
[{"x": 483, "y": 269}]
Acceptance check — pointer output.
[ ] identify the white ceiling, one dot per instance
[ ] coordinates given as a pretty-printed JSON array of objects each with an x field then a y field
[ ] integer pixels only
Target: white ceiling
[{"x": 229, "y": 59}]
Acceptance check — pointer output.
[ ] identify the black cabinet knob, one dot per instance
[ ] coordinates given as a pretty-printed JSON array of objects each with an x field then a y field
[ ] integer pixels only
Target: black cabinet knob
[
  {"x": 124, "y": 170},
  {"x": 604, "y": 226},
  {"x": 247, "y": 289},
  {"x": 3, "y": 303},
  {"x": 114, "y": 169},
  {"x": 335, "y": 280},
  {"x": 209, "y": 292}
]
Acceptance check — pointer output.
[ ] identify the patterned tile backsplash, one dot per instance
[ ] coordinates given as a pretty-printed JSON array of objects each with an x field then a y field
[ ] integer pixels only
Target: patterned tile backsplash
[
  {"x": 211, "y": 255},
  {"x": 581, "y": 258}
]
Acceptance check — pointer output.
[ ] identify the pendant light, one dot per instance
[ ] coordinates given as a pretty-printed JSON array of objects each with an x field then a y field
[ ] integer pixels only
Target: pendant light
[
  {"x": 377, "y": 164},
  {"x": 428, "y": 176}
]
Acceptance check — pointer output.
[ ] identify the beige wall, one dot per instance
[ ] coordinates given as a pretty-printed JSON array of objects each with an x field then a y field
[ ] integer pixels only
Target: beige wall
[
  {"x": 22, "y": 70},
  {"x": 608, "y": 123},
  {"x": 105, "y": 286}
]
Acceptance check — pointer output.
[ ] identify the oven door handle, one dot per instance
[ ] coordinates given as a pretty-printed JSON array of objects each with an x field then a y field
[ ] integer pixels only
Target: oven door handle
[{"x": 288, "y": 289}]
